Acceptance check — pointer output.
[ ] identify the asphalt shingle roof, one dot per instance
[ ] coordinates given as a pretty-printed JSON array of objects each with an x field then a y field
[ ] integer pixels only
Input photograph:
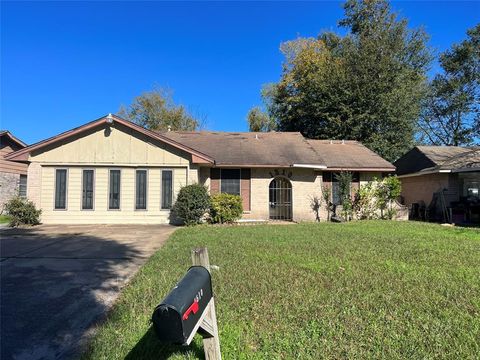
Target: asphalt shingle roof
[{"x": 278, "y": 149}]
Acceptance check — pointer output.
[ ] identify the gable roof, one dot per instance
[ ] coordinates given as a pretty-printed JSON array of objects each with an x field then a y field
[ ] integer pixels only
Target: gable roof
[
  {"x": 22, "y": 155},
  {"x": 431, "y": 159},
  {"x": 251, "y": 149},
  {"x": 6, "y": 133},
  {"x": 349, "y": 155}
]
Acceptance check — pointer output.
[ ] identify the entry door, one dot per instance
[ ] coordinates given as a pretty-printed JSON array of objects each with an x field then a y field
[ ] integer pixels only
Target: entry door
[{"x": 280, "y": 199}]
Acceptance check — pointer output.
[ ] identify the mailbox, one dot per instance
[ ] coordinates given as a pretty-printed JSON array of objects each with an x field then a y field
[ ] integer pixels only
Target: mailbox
[{"x": 178, "y": 316}]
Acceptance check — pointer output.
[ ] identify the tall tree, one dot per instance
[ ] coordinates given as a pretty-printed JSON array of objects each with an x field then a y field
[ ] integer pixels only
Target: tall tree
[
  {"x": 156, "y": 110},
  {"x": 366, "y": 85},
  {"x": 259, "y": 120},
  {"x": 451, "y": 114}
]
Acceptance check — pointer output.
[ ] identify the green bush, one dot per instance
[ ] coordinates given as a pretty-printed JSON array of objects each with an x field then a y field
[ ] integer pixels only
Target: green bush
[
  {"x": 225, "y": 208},
  {"x": 192, "y": 204},
  {"x": 22, "y": 212}
]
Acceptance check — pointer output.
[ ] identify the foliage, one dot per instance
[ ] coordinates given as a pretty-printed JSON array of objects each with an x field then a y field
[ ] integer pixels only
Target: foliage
[
  {"x": 260, "y": 121},
  {"x": 316, "y": 205},
  {"x": 366, "y": 85},
  {"x": 156, "y": 110},
  {"x": 365, "y": 203},
  {"x": 192, "y": 203},
  {"x": 451, "y": 114},
  {"x": 387, "y": 191},
  {"x": 327, "y": 194},
  {"x": 314, "y": 291},
  {"x": 225, "y": 208},
  {"x": 22, "y": 212},
  {"x": 344, "y": 179}
]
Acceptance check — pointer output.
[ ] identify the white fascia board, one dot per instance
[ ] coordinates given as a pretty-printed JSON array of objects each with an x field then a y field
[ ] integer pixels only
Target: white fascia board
[{"x": 309, "y": 166}]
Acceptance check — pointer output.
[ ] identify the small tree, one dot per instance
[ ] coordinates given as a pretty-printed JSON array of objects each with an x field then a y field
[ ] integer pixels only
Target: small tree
[
  {"x": 344, "y": 183},
  {"x": 192, "y": 204},
  {"x": 326, "y": 194},
  {"x": 22, "y": 212},
  {"x": 365, "y": 201}
]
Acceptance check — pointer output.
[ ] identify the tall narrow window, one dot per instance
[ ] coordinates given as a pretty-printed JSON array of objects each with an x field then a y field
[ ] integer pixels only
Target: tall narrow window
[
  {"x": 87, "y": 190},
  {"x": 22, "y": 187},
  {"x": 167, "y": 189},
  {"x": 230, "y": 181},
  {"x": 61, "y": 189},
  {"x": 141, "y": 190},
  {"x": 114, "y": 193}
]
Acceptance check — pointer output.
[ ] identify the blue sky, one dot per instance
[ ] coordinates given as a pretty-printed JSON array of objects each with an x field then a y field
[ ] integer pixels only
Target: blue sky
[{"x": 66, "y": 63}]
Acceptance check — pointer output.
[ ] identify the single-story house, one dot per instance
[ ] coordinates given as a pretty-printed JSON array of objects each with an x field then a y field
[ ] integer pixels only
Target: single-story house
[
  {"x": 113, "y": 171},
  {"x": 441, "y": 182},
  {"x": 13, "y": 175}
]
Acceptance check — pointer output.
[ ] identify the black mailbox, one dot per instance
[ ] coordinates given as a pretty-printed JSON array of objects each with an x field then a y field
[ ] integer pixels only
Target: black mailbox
[{"x": 178, "y": 315}]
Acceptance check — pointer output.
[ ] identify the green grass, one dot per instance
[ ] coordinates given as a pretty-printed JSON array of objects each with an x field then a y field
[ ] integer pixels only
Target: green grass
[
  {"x": 4, "y": 219},
  {"x": 385, "y": 290}
]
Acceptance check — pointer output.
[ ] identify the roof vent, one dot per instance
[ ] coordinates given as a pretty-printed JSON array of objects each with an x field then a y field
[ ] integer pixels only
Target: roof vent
[
  {"x": 256, "y": 136},
  {"x": 169, "y": 128},
  {"x": 343, "y": 142},
  {"x": 109, "y": 118}
]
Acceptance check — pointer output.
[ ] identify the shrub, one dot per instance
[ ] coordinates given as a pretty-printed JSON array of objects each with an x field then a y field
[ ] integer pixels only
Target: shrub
[
  {"x": 316, "y": 205},
  {"x": 22, "y": 212},
  {"x": 192, "y": 204},
  {"x": 365, "y": 201},
  {"x": 225, "y": 208},
  {"x": 389, "y": 189}
]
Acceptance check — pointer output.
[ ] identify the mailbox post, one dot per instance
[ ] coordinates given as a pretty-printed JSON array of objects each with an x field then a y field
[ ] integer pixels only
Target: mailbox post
[{"x": 189, "y": 308}]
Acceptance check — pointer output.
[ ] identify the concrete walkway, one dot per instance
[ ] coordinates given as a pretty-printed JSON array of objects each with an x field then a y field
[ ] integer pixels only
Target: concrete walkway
[{"x": 57, "y": 281}]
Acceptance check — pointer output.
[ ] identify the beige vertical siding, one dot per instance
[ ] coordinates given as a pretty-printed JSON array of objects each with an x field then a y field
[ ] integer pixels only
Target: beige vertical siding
[
  {"x": 101, "y": 214},
  {"x": 102, "y": 149}
]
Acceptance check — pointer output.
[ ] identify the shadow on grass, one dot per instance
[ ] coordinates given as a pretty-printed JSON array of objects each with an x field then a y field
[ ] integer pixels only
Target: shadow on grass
[{"x": 149, "y": 347}]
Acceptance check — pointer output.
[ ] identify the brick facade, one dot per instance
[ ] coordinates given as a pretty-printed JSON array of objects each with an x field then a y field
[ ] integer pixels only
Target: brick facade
[{"x": 9, "y": 183}]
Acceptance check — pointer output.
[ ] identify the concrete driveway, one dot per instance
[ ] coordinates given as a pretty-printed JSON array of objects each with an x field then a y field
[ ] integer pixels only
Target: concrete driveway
[{"x": 57, "y": 281}]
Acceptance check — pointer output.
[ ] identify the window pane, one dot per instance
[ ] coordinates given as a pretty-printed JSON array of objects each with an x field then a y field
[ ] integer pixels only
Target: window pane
[
  {"x": 114, "y": 196},
  {"x": 230, "y": 181},
  {"x": 141, "y": 190},
  {"x": 167, "y": 191},
  {"x": 87, "y": 191},
  {"x": 61, "y": 189},
  {"x": 22, "y": 188}
]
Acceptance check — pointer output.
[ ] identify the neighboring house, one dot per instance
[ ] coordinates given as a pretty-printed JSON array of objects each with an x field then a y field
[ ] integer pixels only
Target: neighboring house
[
  {"x": 113, "y": 171},
  {"x": 13, "y": 175},
  {"x": 444, "y": 180}
]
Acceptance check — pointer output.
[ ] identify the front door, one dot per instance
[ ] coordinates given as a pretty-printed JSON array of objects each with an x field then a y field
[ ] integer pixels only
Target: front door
[{"x": 280, "y": 199}]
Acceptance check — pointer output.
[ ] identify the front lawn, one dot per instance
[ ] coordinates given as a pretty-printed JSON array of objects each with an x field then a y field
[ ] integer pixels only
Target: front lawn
[{"x": 386, "y": 290}]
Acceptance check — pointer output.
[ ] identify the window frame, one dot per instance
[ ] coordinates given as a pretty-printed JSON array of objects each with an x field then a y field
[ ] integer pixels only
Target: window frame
[
  {"x": 55, "y": 189},
  {"x": 146, "y": 190},
  {"x": 161, "y": 190},
  {"x": 239, "y": 181},
  {"x": 119, "y": 190},
  {"x": 22, "y": 176},
  {"x": 93, "y": 189}
]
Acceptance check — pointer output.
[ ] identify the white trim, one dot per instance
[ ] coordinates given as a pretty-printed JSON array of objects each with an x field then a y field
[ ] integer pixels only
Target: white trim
[{"x": 309, "y": 166}]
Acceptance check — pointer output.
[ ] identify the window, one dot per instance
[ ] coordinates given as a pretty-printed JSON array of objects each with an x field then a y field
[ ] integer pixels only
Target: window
[
  {"x": 167, "y": 189},
  {"x": 87, "y": 190},
  {"x": 60, "y": 189},
  {"x": 472, "y": 189},
  {"x": 230, "y": 181},
  {"x": 141, "y": 190},
  {"x": 22, "y": 187},
  {"x": 114, "y": 192}
]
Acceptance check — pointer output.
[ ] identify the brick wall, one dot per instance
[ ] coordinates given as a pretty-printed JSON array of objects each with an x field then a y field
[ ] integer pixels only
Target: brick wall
[
  {"x": 34, "y": 184},
  {"x": 421, "y": 188},
  {"x": 9, "y": 183}
]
